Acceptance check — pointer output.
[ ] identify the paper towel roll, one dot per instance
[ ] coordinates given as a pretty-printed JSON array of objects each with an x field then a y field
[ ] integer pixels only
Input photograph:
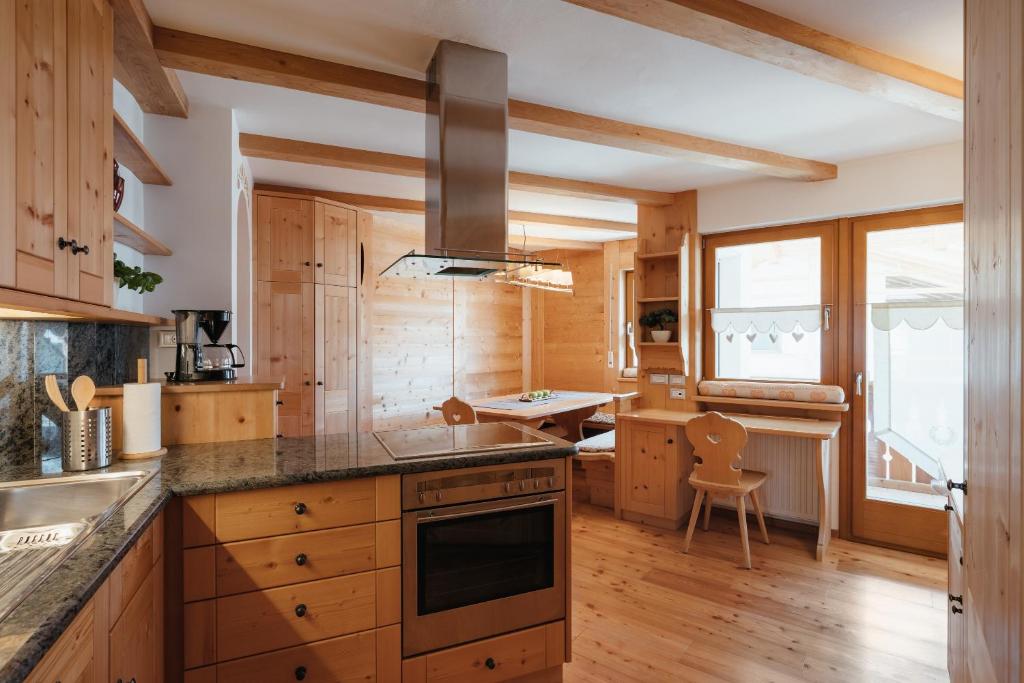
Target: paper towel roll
[{"x": 141, "y": 419}]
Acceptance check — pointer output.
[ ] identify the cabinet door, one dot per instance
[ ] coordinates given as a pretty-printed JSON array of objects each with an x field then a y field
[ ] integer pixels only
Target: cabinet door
[
  {"x": 38, "y": 34},
  {"x": 79, "y": 655},
  {"x": 335, "y": 359},
  {"x": 284, "y": 239},
  {"x": 284, "y": 348},
  {"x": 956, "y": 637},
  {"x": 336, "y": 247},
  {"x": 136, "y": 638},
  {"x": 90, "y": 171},
  {"x": 646, "y": 470}
]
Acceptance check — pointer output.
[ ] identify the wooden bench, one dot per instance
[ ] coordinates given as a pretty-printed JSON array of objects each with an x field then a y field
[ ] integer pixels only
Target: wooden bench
[{"x": 593, "y": 475}]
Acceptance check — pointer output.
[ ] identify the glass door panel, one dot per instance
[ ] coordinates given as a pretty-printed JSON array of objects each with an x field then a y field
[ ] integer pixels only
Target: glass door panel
[{"x": 909, "y": 386}]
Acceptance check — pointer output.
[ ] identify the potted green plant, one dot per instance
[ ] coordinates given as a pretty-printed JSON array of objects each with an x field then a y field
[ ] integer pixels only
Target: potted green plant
[
  {"x": 658, "y": 319},
  {"x": 135, "y": 278}
]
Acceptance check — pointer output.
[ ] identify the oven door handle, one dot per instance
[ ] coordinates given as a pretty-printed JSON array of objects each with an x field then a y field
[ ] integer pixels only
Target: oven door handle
[{"x": 428, "y": 516}]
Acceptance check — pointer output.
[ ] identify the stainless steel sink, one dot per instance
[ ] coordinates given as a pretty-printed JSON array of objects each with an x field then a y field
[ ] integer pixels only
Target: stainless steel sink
[{"x": 42, "y": 521}]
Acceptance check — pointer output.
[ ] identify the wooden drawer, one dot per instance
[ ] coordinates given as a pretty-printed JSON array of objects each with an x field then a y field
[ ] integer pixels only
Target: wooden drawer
[
  {"x": 258, "y": 622},
  {"x": 270, "y": 562},
  {"x": 135, "y": 566},
  {"x": 346, "y": 659},
  {"x": 502, "y": 658},
  {"x": 305, "y": 507},
  {"x": 73, "y": 657}
]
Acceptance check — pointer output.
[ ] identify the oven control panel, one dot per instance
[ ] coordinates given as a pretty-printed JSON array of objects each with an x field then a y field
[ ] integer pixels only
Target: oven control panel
[{"x": 471, "y": 484}]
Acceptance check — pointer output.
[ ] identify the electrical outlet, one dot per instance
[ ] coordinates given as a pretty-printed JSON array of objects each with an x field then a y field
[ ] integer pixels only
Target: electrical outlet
[
  {"x": 677, "y": 393},
  {"x": 168, "y": 340},
  {"x": 678, "y": 380},
  {"x": 659, "y": 379}
]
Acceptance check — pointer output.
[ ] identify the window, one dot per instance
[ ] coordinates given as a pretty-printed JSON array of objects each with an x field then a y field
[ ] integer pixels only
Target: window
[
  {"x": 627, "y": 337},
  {"x": 769, "y": 294}
]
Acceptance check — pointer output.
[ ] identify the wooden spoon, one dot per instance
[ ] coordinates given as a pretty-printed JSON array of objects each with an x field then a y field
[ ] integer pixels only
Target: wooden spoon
[
  {"x": 83, "y": 389},
  {"x": 53, "y": 391}
]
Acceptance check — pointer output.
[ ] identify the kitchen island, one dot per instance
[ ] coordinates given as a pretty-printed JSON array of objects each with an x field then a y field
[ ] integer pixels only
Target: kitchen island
[{"x": 257, "y": 481}]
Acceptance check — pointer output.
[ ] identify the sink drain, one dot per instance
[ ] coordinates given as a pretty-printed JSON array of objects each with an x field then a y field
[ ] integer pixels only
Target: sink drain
[{"x": 40, "y": 537}]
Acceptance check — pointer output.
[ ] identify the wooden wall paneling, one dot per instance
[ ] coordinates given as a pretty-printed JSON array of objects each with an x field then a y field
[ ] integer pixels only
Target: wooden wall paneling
[
  {"x": 575, "y": 337},
  {"x": 994, "y": 222},
  {"x": 8, "y": 143},
  {"x": 41, "y": 146},
  {"x": 90, "y": 150},
  {"x": 335, "y": 350},
  {"x": 488, "y": 339},
  {"x": 285, "y": 239},
  {"x": 366, "y": 281}
]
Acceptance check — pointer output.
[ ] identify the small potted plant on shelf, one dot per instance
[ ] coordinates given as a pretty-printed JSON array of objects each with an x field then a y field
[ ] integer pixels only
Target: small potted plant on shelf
[{"x": 658, "y": 319}]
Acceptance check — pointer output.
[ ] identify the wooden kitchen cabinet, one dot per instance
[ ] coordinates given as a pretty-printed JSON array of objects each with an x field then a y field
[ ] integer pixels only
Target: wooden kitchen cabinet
[
  {"x": 284, "y": 239},
  {"x": 310, "y": 256},
  {"x": 284, "y": 348},
  {"x": 337, "y": 248},
  {"x": 56, "y": 152},
  {"x": 80, "y": 654},
  {"x": 136, "y": 638},
  {"x": 335, "y": 351},
  {"x": 652, "y": 464}
]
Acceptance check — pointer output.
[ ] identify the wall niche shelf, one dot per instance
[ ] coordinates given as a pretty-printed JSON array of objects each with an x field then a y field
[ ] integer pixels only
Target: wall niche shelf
[
  {"x": 133, "y": 155},
  {"x": 658, "y": 255},
  {"x": 131, "y": 235},
  {"x": 657, "y": 299}
]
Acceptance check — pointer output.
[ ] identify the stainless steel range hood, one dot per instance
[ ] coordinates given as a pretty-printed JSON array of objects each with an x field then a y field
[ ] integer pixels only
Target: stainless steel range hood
[{"x": 466, "y": 168}]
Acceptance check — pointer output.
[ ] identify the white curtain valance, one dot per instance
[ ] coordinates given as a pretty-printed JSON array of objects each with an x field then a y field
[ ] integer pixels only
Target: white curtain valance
[
  {"x": 781, "y": 318},
  {"x": 919, "y": 315}
]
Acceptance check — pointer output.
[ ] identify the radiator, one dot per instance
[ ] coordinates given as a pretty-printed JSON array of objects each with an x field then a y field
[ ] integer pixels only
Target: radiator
[{"x": 791, "y": 490}]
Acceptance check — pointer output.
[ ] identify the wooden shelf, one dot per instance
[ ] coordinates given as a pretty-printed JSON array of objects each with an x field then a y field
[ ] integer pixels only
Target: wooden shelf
[
  {"x": 131, "y": 235},
  {"x": 772, "y": 403},
  {"x": 133, "y": 155},
  {"x": 656, "y": 299},
  {"x": 15, "y": 304},
  {"x": 658, "y": 255}
]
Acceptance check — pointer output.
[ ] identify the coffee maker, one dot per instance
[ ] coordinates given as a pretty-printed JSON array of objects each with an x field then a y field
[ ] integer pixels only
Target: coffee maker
[{"x": 199, "y": 362}]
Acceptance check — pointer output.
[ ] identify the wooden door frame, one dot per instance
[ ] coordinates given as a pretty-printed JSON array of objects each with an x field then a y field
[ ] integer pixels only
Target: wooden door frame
[
  {"x": 828, "y": 232},
  {"x": 853, "y": 467}
]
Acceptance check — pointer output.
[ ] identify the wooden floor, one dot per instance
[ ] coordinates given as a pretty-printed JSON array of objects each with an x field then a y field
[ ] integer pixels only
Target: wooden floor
[{"x": 643, "y": 611}]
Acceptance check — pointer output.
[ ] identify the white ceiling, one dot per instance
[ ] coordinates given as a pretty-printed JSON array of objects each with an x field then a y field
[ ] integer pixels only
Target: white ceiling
[{"x": 566, "y": 56}]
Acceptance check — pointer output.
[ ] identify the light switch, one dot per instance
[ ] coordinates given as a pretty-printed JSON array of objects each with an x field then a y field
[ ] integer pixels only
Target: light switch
[
  {"x": 659, "y": 379},
  {"x": 678, "y": 380}
]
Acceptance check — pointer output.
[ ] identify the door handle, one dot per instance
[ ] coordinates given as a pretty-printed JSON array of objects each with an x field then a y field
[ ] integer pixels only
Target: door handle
[
  {"x": 362, "y": 263},
  {"x": 858, "y": 384}
]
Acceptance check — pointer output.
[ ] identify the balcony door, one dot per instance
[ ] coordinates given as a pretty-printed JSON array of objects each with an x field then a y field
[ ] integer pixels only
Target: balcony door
[{"x": 908, "y": 402}]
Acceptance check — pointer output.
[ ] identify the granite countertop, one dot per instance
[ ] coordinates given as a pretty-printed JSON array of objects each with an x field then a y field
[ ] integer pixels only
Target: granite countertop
[
  {"x": 241, "y": 384},
  {"x": 29, "y": 630}
]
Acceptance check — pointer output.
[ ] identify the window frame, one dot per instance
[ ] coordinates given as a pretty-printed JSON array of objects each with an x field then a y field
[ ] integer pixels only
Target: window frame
[{"x": 827, "y": 232}]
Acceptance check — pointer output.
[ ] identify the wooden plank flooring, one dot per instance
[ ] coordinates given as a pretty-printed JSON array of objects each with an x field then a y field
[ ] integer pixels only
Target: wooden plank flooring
[{"x": 644, "y": 612}]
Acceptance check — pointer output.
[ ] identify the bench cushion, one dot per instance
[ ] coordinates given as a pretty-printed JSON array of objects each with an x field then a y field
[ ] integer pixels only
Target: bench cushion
[
  {"x": 780, "y": 391},
  {"x": 599, "y": 443},
  {"x": 601, "y": 419}
]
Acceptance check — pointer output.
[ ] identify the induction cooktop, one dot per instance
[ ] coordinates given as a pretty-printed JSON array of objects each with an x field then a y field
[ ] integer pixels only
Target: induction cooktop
[{"x": 432, "y": 442}]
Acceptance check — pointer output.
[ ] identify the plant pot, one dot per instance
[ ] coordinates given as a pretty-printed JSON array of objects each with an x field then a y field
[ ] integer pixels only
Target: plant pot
[{"x": 661, "y": 336}]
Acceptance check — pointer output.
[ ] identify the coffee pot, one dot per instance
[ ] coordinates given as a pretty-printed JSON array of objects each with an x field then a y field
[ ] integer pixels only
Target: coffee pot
[{"x": 196, "y": 361}]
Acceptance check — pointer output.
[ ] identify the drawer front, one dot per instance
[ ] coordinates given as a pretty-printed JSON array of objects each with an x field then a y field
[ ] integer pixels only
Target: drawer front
[
  {"x": 290, "y": 509},
  {"x": 135, "y": 566},
  {"x": 71, "y": 657},
  {"x": 258, "y": 622},
  {"x": 495, "y": 659},
  {"x": 269, "y": 562},
  {"x": 346, "y": 659}
]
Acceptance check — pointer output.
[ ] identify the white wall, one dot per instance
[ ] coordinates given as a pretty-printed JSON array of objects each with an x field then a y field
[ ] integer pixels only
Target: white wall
[
  {"x": 133, "y": 205},
  {"x": 923, "y": 177}
]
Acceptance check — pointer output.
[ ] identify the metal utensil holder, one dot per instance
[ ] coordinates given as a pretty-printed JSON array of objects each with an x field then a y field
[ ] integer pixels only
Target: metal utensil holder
[{"x": 87, "y": 443}]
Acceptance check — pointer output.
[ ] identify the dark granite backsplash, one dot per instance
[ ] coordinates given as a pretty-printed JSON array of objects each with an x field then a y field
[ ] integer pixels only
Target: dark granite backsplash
[{"x": 30, "y": 350}]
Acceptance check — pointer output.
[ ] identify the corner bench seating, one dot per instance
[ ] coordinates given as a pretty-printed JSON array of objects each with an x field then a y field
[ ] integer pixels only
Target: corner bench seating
[{"x": 594, "y": 470}]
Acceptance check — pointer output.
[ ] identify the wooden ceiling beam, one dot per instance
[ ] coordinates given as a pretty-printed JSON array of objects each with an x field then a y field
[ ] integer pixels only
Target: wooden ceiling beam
[
  {"x": 417, "y": 206},
  {"x": 136, "y": 65},
  {"x": 298, "y": 151},
  {"x": 756, "y": 33},
  {"x": 226, "y": 59}
]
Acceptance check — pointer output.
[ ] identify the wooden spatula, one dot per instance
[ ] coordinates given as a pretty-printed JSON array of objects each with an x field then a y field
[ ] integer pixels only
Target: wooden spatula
[
  {"x": 83, "y": 389},
  {"x": 53, "y": 391}
]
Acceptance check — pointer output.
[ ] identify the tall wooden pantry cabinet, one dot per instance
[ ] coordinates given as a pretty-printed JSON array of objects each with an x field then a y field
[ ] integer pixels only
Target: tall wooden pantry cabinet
[{"x": 312, "y": 311}]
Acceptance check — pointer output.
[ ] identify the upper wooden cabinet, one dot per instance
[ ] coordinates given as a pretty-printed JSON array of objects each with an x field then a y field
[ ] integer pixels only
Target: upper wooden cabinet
[
  {"x": 56, "y": 161},
  {"x": 337, "y": 248},
  {"x": 285, "y": 249}
]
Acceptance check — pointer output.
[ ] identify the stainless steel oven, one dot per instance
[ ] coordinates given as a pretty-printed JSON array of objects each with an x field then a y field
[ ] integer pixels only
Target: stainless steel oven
[{"x": 484, "y": 552}]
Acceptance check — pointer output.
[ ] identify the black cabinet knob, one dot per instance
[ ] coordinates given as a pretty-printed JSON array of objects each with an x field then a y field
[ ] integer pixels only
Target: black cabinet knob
[
  {"x": 279, "y": 402},
  {"x": 669, "y": 442},
  {"x": 319, "y": 265},
  {"x": 301, "y": 559},
  {"x": 307, "y": 263},
  {"x": 300, "y": 673},
  {"x": 956, "y": 598},
  {"x": 490, "y": 663},
  {"x": 280, "y": 436},
  {"x": 308, "y": 382},
  {"x": 319, "y": 383},
  {"x": 300, "y": 610},
  {"x": 300, "y": 508},
  {"x": 962, "y": 485},
  {"x": 956, "y": 610}
]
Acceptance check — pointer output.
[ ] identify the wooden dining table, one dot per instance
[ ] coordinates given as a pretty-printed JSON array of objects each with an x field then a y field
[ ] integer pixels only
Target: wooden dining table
[{"x": 568, "y": 409}]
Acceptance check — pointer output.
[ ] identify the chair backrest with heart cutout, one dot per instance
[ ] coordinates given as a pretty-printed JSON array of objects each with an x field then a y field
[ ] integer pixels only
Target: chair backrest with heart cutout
[
  {"x": 458, "y": 412},
  {"x": 717, "y": 440}
]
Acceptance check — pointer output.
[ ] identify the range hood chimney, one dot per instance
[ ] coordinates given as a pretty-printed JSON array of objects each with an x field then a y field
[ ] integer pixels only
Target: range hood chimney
[{"x": 466, "y": 168}]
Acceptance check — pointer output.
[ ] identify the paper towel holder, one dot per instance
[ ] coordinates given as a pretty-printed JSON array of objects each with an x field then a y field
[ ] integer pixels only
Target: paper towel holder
[{"x": 142, "y": 366}]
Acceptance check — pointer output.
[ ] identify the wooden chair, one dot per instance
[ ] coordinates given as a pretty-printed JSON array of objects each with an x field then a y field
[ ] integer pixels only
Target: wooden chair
[
  {"x": 457, "y": 412},
  {"x": 717, "y": 441}
]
